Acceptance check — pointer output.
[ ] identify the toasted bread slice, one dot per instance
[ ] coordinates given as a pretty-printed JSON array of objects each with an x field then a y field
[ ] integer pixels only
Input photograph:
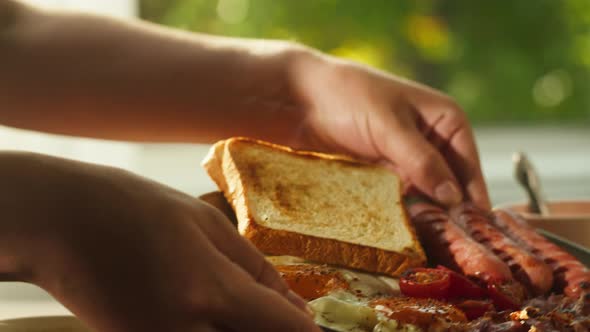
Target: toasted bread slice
[{"x": 320, "y": 207}]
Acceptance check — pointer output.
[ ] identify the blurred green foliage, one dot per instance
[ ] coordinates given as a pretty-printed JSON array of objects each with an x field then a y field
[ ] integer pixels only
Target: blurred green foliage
[{"x": 506, "y": 62}]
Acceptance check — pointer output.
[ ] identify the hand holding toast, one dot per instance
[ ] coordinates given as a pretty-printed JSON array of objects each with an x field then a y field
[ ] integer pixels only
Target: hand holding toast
[
  {"x": 417, "y": 131},
  {"x": 127, "y": 254},
  {"x": 274, "y": 90}
]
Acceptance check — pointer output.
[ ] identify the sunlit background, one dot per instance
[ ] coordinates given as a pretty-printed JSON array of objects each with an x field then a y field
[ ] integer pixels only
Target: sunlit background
[
  {"x": 520, "y": 69},
  {"x": 506, "y": 62}
]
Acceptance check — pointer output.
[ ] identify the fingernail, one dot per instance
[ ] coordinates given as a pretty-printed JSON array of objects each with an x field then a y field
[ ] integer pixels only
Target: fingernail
[
  {"x": 299, "y": 302},
  {"x": 448, "y": 193}
]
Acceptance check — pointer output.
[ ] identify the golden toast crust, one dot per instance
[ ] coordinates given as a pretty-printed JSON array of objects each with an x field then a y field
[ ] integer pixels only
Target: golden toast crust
[
  {"x": 281, "y": 242},
  {"x": 328, "y": 251}
]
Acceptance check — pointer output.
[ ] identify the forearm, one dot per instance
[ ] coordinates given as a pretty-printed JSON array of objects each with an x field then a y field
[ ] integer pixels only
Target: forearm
[{"x": 94, "y": 76}]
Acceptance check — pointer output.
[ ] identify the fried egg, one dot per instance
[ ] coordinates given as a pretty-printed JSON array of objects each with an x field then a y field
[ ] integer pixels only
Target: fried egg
[{"x": 351, "y": 301}]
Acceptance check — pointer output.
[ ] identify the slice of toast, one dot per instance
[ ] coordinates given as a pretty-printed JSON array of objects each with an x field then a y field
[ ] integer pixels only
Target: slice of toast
[{"x": 320, "y": 207}]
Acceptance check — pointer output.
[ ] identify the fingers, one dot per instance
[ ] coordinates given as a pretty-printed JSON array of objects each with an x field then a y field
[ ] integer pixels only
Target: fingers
[
  {"x": 224, "y": 296},
  {"x": 464, "y": 158},
  {"x": 242, "y": 304},
  {"x": 257, "y": 308},
  {"x": 226, "y": 239},
  {"x": 420, "y": 161},
  {"x": 422, "y": 207},
  {"x": 449, "y": 131}
]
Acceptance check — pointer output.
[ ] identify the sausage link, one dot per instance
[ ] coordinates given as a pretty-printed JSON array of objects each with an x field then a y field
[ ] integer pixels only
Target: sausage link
[
  {"x": 526, "y": 268},
  {"x": 570, "y": 275},
  {"x": 448, "y": 244}
]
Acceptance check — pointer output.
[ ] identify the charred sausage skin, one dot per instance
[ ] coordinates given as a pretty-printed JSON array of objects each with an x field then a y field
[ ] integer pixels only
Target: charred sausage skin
[
  {"x": 526, "y": 267},
  {"x": 570, "y": 275},
  {"x": 448, "y": 244}
]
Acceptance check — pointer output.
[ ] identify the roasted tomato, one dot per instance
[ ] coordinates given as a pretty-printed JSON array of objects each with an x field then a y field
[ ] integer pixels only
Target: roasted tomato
[
  {"x": 507, "y": 295},
  {"x": 420, "y": 312},
  {"x": 461, "y": 286},
  {"x": 474, "y": 308},
  {"x": 311, "y": 281},
  {"x": 425, "y": 283}
]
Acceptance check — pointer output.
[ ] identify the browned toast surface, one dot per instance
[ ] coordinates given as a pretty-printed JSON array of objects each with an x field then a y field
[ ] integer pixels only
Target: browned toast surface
[{"x": 325, "y": 208}]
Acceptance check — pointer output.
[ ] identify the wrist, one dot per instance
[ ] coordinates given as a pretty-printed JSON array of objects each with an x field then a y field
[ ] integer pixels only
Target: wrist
[
  {"x": 313, "y": 74},
  {"x": 320, "y": 82},
  {"x": 306, "y": 65},
  {"x": 266, "y": 101}
]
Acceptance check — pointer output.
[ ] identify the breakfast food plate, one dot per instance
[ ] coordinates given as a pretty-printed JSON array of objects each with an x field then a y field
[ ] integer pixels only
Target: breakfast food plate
[
  {"x": 217, "y": 199},
  {"x": 458, "y": 268}
]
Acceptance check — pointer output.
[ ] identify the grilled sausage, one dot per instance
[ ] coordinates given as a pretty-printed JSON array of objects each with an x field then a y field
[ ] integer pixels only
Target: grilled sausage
[
  {"x": 570, "y": 275},
  {"x": 448, "y": 244},
  {"x": 526, "y": 268}
]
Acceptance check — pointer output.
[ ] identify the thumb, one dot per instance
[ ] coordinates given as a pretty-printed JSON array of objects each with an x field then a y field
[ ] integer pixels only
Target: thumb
[{"x": 420, "y": 162}]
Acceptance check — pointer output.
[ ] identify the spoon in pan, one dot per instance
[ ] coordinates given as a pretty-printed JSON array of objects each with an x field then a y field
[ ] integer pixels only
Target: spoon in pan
[{"x": 529, "y": 179}]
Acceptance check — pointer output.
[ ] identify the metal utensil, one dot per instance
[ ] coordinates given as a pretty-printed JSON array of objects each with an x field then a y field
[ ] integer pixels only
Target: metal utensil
[{"x": 529, "y": 179}]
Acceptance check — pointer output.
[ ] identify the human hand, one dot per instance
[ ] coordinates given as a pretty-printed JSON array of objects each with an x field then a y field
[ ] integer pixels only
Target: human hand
[
  {"x": 418, "y": 132},
  {"x": 128, "y": 254}
]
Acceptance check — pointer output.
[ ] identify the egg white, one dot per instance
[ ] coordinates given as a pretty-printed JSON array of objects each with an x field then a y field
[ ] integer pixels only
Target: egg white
[{"x": 348, "y": 310}]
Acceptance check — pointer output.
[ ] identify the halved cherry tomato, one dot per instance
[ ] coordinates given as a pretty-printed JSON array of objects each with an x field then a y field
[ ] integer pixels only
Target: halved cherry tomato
[
  {"x": 474, "y": 308},
  {"x": 461, "y": 286},
  {"x": 425, "y": 283},
  {"x": 507, "y": 295}
]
